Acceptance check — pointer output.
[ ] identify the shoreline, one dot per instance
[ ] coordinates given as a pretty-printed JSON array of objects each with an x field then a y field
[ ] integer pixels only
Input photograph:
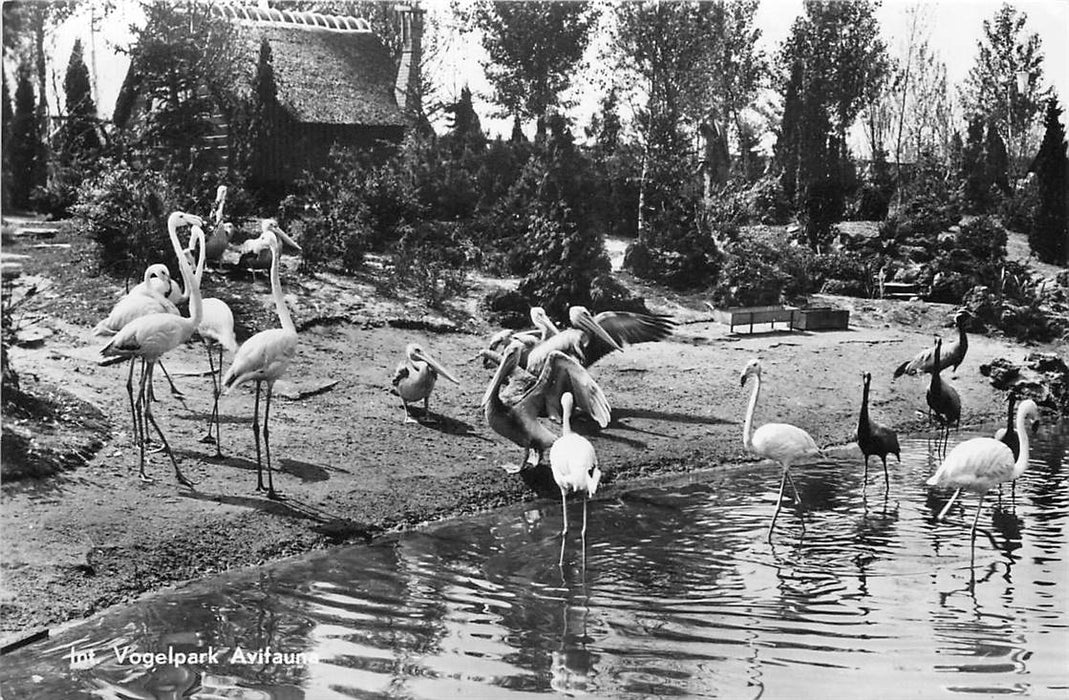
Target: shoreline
[{"x": 677, "y": 410}]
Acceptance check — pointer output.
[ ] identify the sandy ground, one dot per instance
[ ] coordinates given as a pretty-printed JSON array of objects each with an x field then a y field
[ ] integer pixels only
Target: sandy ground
[{"x": 97, "y": 536}]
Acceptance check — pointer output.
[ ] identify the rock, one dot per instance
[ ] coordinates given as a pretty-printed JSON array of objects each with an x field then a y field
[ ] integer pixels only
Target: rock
[{"x": 1042, "y": 377}]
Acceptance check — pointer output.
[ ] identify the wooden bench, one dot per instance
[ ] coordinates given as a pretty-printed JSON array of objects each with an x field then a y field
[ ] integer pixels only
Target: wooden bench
[
  {"x": 821, "y": 318},
  {"x": 743, "y": 315}
]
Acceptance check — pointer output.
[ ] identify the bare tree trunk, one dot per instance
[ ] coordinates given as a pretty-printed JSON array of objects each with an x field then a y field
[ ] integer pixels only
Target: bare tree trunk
[{"x": 902, "y": 107}]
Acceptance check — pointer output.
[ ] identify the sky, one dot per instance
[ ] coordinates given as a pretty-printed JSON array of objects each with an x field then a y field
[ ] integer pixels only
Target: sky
[{"x": 956, "y": 26}]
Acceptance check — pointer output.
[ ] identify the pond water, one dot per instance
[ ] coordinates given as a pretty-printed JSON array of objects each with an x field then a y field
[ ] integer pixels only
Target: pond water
[{"x": 675, "y": 594}]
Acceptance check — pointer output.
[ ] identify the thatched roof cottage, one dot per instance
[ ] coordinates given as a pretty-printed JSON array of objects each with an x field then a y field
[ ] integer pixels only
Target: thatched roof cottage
[{"x": 336, "y": 83}]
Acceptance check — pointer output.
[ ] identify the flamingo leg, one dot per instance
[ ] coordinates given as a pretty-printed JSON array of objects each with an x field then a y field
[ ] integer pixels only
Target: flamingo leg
[
  {"x": 779, "y": 504},
  {"x": 142, "y": 400},
  {"x": 583, "y": 535},
  {"x": 975, "y": 520},
  {"x": 148, "y": 414},
  {"x": 130, "y": 393},
  {"x": 174, "y": 389},
  {"x": 886, "y": 476},
  {"x": 947, "y": 506},
  {"x": 215, "y": 398},
  {"x": 865, "y": 477},
  {"x": 790, "y": 480},
  {"x": 256, "y": 435},
  {"x": 271, "y": 493},
  {"x": 564, "y": 528}
]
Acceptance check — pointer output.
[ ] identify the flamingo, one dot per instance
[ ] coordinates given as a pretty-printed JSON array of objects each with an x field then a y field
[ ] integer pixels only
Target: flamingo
[
  {"x": 943, "y": 400},
  {"x": 150, "y": 337},
  {"x": 780, "y": 442},
  {"x": 873, "y": 438},
  {"x": 924, "y": 361},
  {"x": 149, "y": 296},
  {"x": 264, "y": 358},
  {"x": 980, "y": 464},
  {"x": 514, "y": 414},
  {"x": 216, "y": 327},
  {"x": 415, "y": 378},
  {"x": 575, "y": 467}
]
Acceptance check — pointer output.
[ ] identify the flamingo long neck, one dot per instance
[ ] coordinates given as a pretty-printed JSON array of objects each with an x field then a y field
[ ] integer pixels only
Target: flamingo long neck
[
  {"x": 748, "y": 425},
  {"x": 1022, "y": 456},
  {"x": 276, "y": 292},
  {"x": 191, "y": 286},
  {"x": 566, "y": 419},
  {"x": 198, "y": 274}
]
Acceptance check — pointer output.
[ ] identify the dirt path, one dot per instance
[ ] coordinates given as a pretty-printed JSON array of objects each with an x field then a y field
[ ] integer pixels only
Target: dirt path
[{"x": 97, "y": 536}]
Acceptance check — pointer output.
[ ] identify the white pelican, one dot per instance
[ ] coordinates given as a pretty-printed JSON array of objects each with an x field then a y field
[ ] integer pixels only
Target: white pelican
[
  {"x": 944, "y": 404},
  {"x": 415, "y": 378},
  {"x": 952, "y": 356},
  {"x": 150, "y": 337},
  {"x": 873, "y": 438},
  {"x": 515, "y": 415},
  {"x": 980, "y": 464},
  {"x": 575, "y": 467},
  {"x": 781, "y": 442},
  {"x": 255, "y": 253},
  {"x": 592, "y": 337},
  {"x": 264, "y": 358},
  {"x": 216, "y": 244},
  {"x": 216, "y": 327}
]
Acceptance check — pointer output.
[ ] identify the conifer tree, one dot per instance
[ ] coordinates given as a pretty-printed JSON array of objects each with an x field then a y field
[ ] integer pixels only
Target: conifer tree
[
  {"x": 25, "y": 168},
  {"x": 1048, "y": 235},
  {"x": 80, "y": 136}
]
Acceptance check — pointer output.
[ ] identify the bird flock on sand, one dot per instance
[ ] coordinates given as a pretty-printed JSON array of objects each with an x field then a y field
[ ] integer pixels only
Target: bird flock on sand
[{"x": 541, "y": 372}]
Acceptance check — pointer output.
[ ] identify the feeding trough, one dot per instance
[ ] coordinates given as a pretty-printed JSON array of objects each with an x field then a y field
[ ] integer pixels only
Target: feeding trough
[
  {"x": 750, "y": 315},
  {"x": 821, "y": 318}
]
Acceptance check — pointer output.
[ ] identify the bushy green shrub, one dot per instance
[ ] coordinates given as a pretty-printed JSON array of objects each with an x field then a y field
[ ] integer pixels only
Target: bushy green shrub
[
  {"x": 974, "y": 256},
  {"x": 764, "y": 267},
  {"x": 843, "y": 272},
  {"x": 433, "y": 260},
  {"x": 125, "y": 212},
  {"x": 565, "y": 261}
]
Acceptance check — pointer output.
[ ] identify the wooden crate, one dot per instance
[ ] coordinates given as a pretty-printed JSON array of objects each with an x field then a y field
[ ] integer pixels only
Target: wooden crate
[
  {"x": 749, "y": 315},
  {"x": 821, "y": 318}
]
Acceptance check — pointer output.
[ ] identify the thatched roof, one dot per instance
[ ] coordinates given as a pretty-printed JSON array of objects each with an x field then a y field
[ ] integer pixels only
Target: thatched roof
[
  {"x": 328, "y": 70},
  {"x": 329, "y": 77}
]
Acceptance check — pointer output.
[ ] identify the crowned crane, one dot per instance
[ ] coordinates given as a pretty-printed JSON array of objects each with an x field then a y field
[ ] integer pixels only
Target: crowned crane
[
  {"x": 952, "y": 356},
  {"x": 264, "y": 358},
  {"x": 513, "y": 414},
  {"x": 415, "y": 377},
  {"x": 873, "y": 438},
  {"x": 944, "y": 404},
  {"x": 780, "y": 442},
  {"x": 150, "y": 337},
  {"x": 980, "y": 464}
]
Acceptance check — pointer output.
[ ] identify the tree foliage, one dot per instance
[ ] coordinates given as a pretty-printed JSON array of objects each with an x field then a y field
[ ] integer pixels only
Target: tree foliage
[
  {"x": 534, "y": 47},
  {"x": 990, "y": 88},
  {"x": 27, "y": 170},
  {"x": 1048, "y": 236},
  {"x": 79, "y": 137}
]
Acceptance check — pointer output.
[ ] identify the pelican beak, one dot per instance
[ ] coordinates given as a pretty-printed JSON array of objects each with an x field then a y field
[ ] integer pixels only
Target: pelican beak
[
  {"x": 584, "y": 320},
  {"x": 286, "y": 240},
  {"x": 436, "y": 366},
  {"x": 507, "y": 363}
]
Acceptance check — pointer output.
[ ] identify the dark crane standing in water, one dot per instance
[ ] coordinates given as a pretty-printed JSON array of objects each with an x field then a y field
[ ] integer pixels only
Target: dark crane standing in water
[
  {"x": 1008, "y": 436},
  {"x": 873, "y": 438},
  {"x": 943, "y": 401},
  {"x": 925, "y": 361}
]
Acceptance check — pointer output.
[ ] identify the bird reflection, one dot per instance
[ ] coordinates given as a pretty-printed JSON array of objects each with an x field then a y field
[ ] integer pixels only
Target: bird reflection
[{"x": 572, "y": 664}]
